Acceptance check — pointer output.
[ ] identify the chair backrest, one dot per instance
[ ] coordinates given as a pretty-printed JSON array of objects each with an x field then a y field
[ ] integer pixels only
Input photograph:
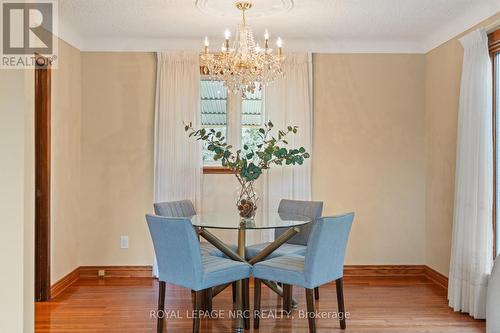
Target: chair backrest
[
  {"x": 311, "y": 209},
  {"x": 182, "y": 208},
  {"x": 325, "y": 253},
  {"x": 177, "y": 250}
]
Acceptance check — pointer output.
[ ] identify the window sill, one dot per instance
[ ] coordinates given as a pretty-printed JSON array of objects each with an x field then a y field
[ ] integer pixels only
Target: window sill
[{"x": 216, "y": 170}]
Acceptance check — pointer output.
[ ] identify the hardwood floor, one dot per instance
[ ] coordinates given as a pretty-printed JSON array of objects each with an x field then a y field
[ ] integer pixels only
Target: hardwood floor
[{"x": 411, "y": 304}]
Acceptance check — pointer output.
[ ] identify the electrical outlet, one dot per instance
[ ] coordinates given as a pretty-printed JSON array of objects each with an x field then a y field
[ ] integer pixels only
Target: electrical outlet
[
  {"x": 124, "y": 242},
  {"x": 101, "y": 273}
]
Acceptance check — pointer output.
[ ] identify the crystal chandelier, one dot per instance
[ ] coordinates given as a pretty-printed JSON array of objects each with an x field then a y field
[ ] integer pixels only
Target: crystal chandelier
[{"x": 243, "y": 65}]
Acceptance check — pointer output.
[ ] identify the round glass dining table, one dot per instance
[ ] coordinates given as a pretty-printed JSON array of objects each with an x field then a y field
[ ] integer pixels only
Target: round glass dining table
[
  {"x": 233, "y": 221},
  {"x": 267, "y": 220}
]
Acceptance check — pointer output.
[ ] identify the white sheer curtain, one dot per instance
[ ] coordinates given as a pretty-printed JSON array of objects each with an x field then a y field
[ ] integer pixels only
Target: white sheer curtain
[
  {"x": 288, "y": 101},
  {"x": 177, "y": 159},
  {"x": 472, "y": 243}
]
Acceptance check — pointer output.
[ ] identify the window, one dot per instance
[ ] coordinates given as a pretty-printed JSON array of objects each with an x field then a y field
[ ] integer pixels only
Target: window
[
  {"x": 494, "y": 43},
  {"x": 237, "y": 118},
  {"x": 251, "y": 119},
  {"x": 213, "y": 112}
]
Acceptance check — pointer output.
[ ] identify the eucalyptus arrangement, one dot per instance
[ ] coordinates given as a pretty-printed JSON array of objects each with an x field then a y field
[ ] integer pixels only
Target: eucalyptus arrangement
[{"x": 249, "y": 163}]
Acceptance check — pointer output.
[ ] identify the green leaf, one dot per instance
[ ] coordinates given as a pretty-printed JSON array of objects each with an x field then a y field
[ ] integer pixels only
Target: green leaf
[
  {"x": 261, "y": 130},
  {"x": 302, "y": 150}
]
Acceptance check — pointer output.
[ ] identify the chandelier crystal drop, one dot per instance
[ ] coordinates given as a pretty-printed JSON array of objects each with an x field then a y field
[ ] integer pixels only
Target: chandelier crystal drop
[{"x": 243, "y": 65}]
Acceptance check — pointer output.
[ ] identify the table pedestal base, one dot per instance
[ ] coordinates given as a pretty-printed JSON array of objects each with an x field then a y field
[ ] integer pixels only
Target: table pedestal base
[{"x": 241, "y": 321}]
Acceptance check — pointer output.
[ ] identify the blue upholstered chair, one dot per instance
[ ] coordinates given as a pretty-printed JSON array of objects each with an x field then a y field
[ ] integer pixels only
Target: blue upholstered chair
[
  {"x": 298, "y": 243},
  {"x": 180, "y": 262},
  {"x": 323, "y": 262},
  {"x": 184, "y": 208}
]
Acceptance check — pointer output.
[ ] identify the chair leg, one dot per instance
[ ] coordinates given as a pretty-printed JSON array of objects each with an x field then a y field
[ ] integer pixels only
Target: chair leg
[
  {"x": 196, "y": 315},
  {"x": 287, "y": 297},
  {"x": 246, "y": 303},
  {"x": 310, "y": 310},
  {"x": 316, "y": 293},
  {"x": 207, "y": 300},
  {"x": 256, "y": 303},
  {"x": 339, "y": 283},
  {"x": 233, "y": 286},
  {"x": 161, "y": 306}
]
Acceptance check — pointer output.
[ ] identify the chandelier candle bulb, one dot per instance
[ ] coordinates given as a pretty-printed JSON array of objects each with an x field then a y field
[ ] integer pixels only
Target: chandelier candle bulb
[
  {"x": 279, "y": 44},
  {"x": 206, "y": 45},
  {"x": 227, "y": 35}
]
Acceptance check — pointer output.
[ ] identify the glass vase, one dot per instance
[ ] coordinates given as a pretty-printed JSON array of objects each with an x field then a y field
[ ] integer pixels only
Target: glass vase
[{"x": 247, "y": 199}]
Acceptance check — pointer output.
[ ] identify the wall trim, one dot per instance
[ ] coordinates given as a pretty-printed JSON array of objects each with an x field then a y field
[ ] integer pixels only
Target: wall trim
[
  {"x": 436, "y": 277},
  {"x": 65, "y": 282},
  {"x": 384, "y": 270},
  {"x": 93, "y": 272},
  {"x": 116, "y": 271},
  {"x": 349, "y": 271}
]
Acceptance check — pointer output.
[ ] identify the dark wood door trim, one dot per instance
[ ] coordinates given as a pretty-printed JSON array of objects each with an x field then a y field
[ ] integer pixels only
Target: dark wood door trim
[{"x": 42, "y": 179}]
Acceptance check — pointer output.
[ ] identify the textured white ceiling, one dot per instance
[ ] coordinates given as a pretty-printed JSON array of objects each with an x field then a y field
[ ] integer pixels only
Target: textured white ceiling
[{"x": 312, "y": 25}]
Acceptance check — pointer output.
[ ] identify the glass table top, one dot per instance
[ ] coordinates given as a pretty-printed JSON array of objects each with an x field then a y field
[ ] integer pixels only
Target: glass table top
[{"x": 234, "y": 221}]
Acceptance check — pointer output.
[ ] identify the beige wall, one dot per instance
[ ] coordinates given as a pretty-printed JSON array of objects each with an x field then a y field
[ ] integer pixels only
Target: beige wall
[
  {"x": 116, "y": 157},
  {"x": 374, "y": 105},
  {"x": 65, "y": 173},
  {"x": 443, "y": 68},
  {"x": 118, "y": 92},
  {"x": 384, "y": 146},
  {"x": 369, "y": 152},
  {"x": 16, "y": 201}
]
